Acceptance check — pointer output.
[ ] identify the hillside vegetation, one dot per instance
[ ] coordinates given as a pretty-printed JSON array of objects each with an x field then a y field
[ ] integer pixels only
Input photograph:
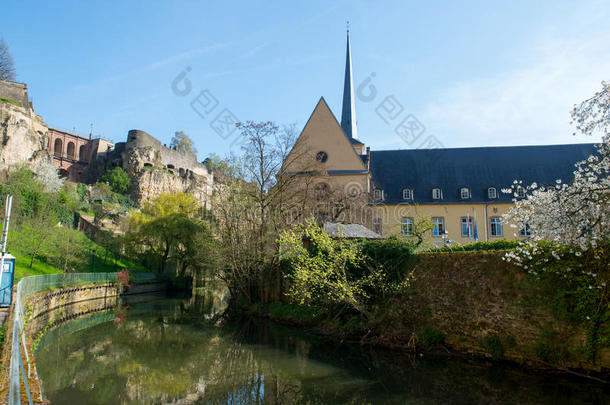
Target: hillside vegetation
[{"x": 42, "y": 235}]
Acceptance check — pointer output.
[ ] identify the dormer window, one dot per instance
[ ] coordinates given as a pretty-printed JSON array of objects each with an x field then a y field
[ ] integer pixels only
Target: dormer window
[
  {"x": 407, "y": 194},
  {"x": 492, "y": 193},
  {"x": 464, "y": 193},
  {"x": 377, "y": 194},
  {"x": 437, "y": 194},
  {"x": 520, "y": 192}
]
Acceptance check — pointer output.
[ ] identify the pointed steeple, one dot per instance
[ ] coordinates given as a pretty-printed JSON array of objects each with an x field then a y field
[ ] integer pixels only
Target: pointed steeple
[{"x": 348, "y": 114}]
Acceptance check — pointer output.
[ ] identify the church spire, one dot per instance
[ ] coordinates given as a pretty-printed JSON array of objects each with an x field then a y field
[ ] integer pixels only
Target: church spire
[{"x": 348, "y": 114}]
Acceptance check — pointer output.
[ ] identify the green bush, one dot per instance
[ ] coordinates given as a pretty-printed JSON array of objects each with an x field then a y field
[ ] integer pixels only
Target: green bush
[
  {"x": 501, "y": 244},
  {"x": 391, "y": 254},
  {"x": 493, "y": 344},
  {"x": 546, "y": 352},
  {"x": 430, "y": 336},
  {"x": 299, "y": 313},
  {"x": 117, "y": 179}
]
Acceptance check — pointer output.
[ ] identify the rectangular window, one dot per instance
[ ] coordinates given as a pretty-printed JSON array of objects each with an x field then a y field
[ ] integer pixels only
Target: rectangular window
[
  {"x": 466, "y": 226},
  {"x": 407, "y": 227},
  {"x": 377, "y": 225},
  {"x": 407, "y": 194},
  {"x": 439, "y": 226},
  {"x": 495, "y": 226},
  {"x": 377, "y": 194},
  {"x": 492, "y": 193},
  {"x": 465, "y": 193},
  {"x": 524, "y": 230},
  {"x": 437, "y": 194}
]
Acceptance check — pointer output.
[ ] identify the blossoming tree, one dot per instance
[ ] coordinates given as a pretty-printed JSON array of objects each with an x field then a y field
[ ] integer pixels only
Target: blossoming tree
[
  {"x": 569, "y": 224},
  {"x": 577, "y": 213}
]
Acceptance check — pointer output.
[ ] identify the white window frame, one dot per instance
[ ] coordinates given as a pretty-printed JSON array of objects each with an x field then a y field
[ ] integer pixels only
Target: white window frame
[
  {"x": 465, "y": 193},
  {"x": 492, "y": 193},
  {"x": 437, "y": 194},
  {"x": 524, "y": 230},
  {"x": 520, "y": 192},
  {"x": 495, "y": 223},
  {"x": 435, "y": 230},
  {"x": 407, "y": 194},
  {"x": 465, "y": 220},
  {"x": 378, "y": 194},
  {"x": 408, "y": 223}
]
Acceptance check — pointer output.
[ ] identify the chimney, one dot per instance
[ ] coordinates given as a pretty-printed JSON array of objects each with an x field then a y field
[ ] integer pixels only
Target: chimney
[{"x": 368, "y": 158}]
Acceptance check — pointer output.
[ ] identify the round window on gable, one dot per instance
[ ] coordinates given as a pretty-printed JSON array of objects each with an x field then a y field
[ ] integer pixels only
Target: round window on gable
[{"x": 322, "y": 156}]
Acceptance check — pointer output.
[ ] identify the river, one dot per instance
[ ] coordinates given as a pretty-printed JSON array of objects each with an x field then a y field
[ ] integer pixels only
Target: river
[{"x": 174, "y": 351}]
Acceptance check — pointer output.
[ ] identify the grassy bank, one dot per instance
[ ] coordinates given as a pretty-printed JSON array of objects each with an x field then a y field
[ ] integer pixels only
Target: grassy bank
[{"x": 85, "y": 256}]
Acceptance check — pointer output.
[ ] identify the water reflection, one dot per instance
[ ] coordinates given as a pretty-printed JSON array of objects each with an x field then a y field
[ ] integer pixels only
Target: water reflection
[{"x": 173, "y": 351}]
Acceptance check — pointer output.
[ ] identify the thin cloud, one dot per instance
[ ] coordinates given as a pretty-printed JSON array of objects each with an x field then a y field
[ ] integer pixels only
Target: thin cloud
[
  {"x": 529, "y": 105},
  {"x": 185, "y": 56}
]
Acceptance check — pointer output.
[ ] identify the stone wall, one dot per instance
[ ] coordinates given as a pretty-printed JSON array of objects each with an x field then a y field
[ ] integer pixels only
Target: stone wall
[
  {"x": 57, "y": 306},
  {"x": 157, "y": 169},
  {"x": 478, "y": 301},
  {"x": 151, "y": 182},
  {"x": 15, "y": 91}
]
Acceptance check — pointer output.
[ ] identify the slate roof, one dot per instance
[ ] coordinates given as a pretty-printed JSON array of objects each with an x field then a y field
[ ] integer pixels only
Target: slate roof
[
  {"x": 477, "y": 168},
  {"x": 349, "y": 231}
]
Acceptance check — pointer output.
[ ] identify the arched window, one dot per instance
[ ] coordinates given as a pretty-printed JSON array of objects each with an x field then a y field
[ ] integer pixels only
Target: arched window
[
  {"x": 58, "y": 147},
  {"x": 82, "y": 153},
  {"x": 520, "y": 192},
  {"x": 70, "y": 150}
]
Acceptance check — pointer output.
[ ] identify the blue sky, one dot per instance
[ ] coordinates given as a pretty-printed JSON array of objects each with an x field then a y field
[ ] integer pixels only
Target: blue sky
[{"x": 472, "y": 73}]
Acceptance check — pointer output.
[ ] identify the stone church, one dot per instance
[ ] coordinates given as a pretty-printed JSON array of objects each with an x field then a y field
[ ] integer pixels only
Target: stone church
[{"x": 457, "y": 192}]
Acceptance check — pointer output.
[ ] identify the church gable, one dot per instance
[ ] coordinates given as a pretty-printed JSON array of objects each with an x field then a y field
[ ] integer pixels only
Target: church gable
[{"x": 324, "y": 144}]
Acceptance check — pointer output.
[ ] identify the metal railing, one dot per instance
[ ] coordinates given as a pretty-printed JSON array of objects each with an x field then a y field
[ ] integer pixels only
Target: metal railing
[{"x": 31, "y": 285}]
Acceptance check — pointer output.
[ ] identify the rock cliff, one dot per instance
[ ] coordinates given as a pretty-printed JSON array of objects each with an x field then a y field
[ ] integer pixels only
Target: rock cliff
[{"x": 23, "y": 136}]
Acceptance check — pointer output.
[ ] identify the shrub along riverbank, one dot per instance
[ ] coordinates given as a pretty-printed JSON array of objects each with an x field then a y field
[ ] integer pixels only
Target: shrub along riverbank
[{"x": 473, "y": 302}]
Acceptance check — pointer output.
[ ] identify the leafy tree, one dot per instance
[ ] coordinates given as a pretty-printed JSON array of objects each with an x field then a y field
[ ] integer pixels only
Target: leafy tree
[
  {"x": 117, "y": 179},
  {"x": 338, "y": 273},
  {"x": 182, "y": 142},
  {"x": 169, "y": 229},
  {"x": 7, "y": 65}
]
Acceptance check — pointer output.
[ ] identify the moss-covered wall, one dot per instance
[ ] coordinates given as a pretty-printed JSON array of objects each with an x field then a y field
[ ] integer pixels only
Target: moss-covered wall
[{"x": 486, "y": 306}]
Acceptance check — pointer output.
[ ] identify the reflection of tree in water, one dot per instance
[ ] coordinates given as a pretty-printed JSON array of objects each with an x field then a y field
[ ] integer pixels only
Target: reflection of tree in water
[
  {"x": 164, "y": 357},
  {"x": 171, "y": 353}
]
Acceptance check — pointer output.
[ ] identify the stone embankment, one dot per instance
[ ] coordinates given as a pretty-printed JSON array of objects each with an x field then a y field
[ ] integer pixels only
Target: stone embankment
[{"x": 48, "y": 309}]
